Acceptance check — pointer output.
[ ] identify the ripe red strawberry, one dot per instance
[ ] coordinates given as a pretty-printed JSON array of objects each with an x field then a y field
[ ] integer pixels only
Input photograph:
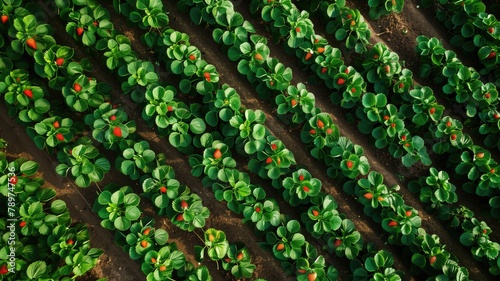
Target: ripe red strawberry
[
  {"x": 184, "y": 204},
  {"x": 153, "y": 260},
  {"x": 28, "y": 93},
  {"x": 337, "y": 243},
  {"x": 408, "y": 213},
  {"x": 487, "y": 95},
  {"x": 301, "y": 177},
  {"x": 4, "y": 270},
  {"x": 305, "y": 188},
  {"x": 308, "y": 55},
  {"x": 485, "y": 231},
  {"x": 77, "y": 87},
  {"x": 492, "y": 170},
  {"x": 375, "y": 56},
  {"x": 5, "y": 18},
  {"x": 403, "y": 138},
  {"x": 31, "y": 43},
  {"x": 162, "y": 268},
  {"x": 407, "y": 144},
  {"x": 386, "y": 117},
  {"x": 324, "y": 69},
  {"x": 368, "y": 196},
  {"x": 496, "y": 115},
  {"x": 163, "y": 189},
  {"x": 312, "y": 276},
  {"x": 297, "y": 29},
  {"x": 349, "y": 16},
  {"x": 56, "y": 124},
  {"x": 448, "y": 124},
  {"x": 70, "y": 242},
  {"x": 280, "y": 247},
  {"x": 271, "y": 83},
  {"x": 207, "y": 76},
  {"x": 401, "y": 85},
  {"x": 112, "y": 118},
  {"x": 192, "y": 57},
  {"x": 490, "y": 29},
  {"x": 346, "y": 71},
  {"x": 320, "y": 50},
  {"x": 329, "y": 131},
  {"x": 269, "y": 160},
  {"x": 353, "y": 22},
  {"x": 491, "y": 55},
  {"x": 480, "y": 155},
  {"x": 453, "y": 137},
  {"x": 146, "y": 231},
  {"x": 117, "y": 131},
  {"x": 387, "y": 69},
  {"x": 340, "y": 81},
  {"x": 392, "y": 223},
  {"x": 315, "y": 212},
  {"x": 60, "y": 137},
  {"x": 239, "y": 256},
  {"x": 312, "y": 132},
  {"x": 432, "y": 110},
  {"x": 144, "y": 243},
  {"x": 380, "y": 198},
  {"x": 79, "y": 31},
  {"x": 13, "y": 180},
  {"x": 274, "y": 146},
  {"x": 170, "y": 108},
  {"x": 349, "y": 164},
  {"x": 301, "y": 271},
  {"x": 258, "y": 56},
  {"x": 393, "y": 125},
  {"x": 59, "y": 61},
  {"x": 22, "y": 224},
  {"x": 432, "y": 260},
  {"x": 95, "y": 23},
  {"x": 320, "y": 124},
  {"x": 217, "y": 154},
  {"x": 293, "y": 102},
  {"x": 227, "y": 259},
  {"x": 179, "y": 217},
  {"x": 353, "y": 90},
  {"x": 257, "y": 209}
]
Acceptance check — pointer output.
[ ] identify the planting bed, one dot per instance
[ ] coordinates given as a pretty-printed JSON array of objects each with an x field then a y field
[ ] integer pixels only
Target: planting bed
[{"x": 329, "y": 182}]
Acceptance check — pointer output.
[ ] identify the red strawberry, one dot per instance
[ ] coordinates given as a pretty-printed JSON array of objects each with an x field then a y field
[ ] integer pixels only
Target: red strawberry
[
  {"x": 403, "y": 138},
  {"x": 207, "y": 76},
  {"x": 320, "y": 50},
  {"x": 375, "y": 57},
  {"x": 480, "y": 155},
  {"x": 184, "y": 204},
  {"x": 408, "y": 213},
  {"x": 227, "y": 259},
  {"x": 56, "y": 124},
  {"x": 31, "y": 43},
  {"x": 448, "y": 124},
  {"x": 432, "y": 110},
  {"x": 496, "y": 115},
  {"x": 353, "y": 90},
  {"x": 324, "y": 69},
  {"x": 453, "y": 137},
  {"x": 308, "y": 55},
  {"x": 239, "y": 256},
  {"x": 329, "y": 131},
  {"x": 297, "y": 29},
  {"x": 192, "y": 57},
  {"x": 305, "y": 188},
  {"x": 301, "y": 177},
  {"x": 271, "y": 83},
  {"x": 346, "y": 71},
  {"x": 401, "y": 85},
  {"x": 144, "y": 243},
  {"x": 162, "y": 268},
  {"x": 5, "y": 18},
  {"x": 217, "y": 154},
  {"x": 349, "y": 16},
  {"x": 393, "y": 125},
  {"x": 407, "y": 144},
  {"x": 485, "y": 231},
  {"x": 312, "y": 132},
  {"x": 60, "y": 137},
  {"x": 4, "y": 270},
  {"x": 293, "y": 102},
  {"x": 79, "y": 31},
  {"x": 320, "y": 124},
  {"x": 349, "y": 164},
  {"x": 170, "y": 108},
  {"x": 257, "y": 209},
  {"x": 280, "y": 247},
  {"x": 301, "y": 271},
  {"x": 432, "y": 260},
  {"x": 337, "y": 243},
  {"x": 59, "y": 61},
  {"x": 487, "y": 95},
  {"x": 312, "y": 276},
  {"x": 258, "y": 56},
  {"x": 146, "y": 231},
  {"x": 490, "y": 29},
  {"x": 117, "y": 131},
  {"x": 95, "y": 23},
  {"x": 28, "y": 93},
  {"x": 340, "y": 81},
  {"x": 353, "y": 22},
  {"x": 368, "y": 195},
  {"x": 316, "y": 41},
  {"x": 492, "y": 170},
  {"x": 77, "y": 87},
  {"x": 179, "y": 217},
  {"x": 380, "y": 198},
  {"x": 153, "y": 260},
  {"x": 491, "y": 55},
  {"x": 13, "y": 180},
  {"x": 22, "y": 224},
  {"x": 392, "y": 223},
  {"x": 387, "y": 69},
  {"x": 163, "y": 189},
  {"x": 315, "y": 213},
  {"x": 274, "y": 146},
  {"x": 112, "y": 118},
  {"x": 70, "y": 242},
  {"x": 269, "y": 160},
  {"x": 386, "y": 117}
]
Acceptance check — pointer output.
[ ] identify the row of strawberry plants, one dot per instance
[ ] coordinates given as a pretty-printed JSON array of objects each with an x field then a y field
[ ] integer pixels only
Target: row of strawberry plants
[
  {"x": 158, "y": 90},
  {"x": 39, "y": 238},
  {"x": 475, "y": 30},
  {"x": 479, "y": 240},
  {"x": 203, "y": 13}
]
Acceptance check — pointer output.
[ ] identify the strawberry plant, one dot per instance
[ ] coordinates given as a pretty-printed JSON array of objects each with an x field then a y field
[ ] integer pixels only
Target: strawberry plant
[
  {"x": 117, "y": 50},
  {"x": 84, "y": 162},
  {"x": 298, "y": 101},
  {"x": 162, "y": 106},
  {"x": 53, "y": 64},
  {"x": 138, "y": 74},
  {"x": 216, "y": 245},
  {"x": 161, "y": 187},
  {"x": 159, "y": 265},
  {"x": 251, "y": 131},
  {"x": 322, "y": 132},
  {"x": 263, "y": 214},
  {"x": 435, "y": 189},
  {"x": 136, "y": 159},
  {"x": 82, "y": 93},
  {"x": 234, "y": 191},
  {"x": 378, "y": 267},
  {"x": 322, "y": 217},
  {"x": 188, "y": 212},
  {"x": 143, "y": 238},
  {"x": 217, "y": 161},
  {"x": 87, "y": 23},
  {"x": 381, "y": 66},
  {"x": 117, "y": 207},
  {"x": 238, "y": 261},
  {"x": 349, "y": 158},
  {"x": 277, "y": 159},
  {"x": 287, "y": 242},
  {"x": 30, "y": 35},
  {"x": 300, "y": 186},
  {"x": 345, "y": 241},
  {"x": 225, "y": 102},
  {"x": 52, "y": 132}
]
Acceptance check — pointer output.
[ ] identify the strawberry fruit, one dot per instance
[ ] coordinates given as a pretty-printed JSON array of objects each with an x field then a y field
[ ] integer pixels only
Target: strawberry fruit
[
  {"x": 257, "y": 209},
  {"x": 112, "y": 118},
  {"x": 392, "y": 223},
  {"x": 297, "y": 29},
  {"x": 146, "y": 231},
  {"x": 77, "y": 87},
  {"x": 5, "y": 18},
  {"x": 320, "y": 50},
  {"x": 305, "y": 188},
  {"x": 163, "y": 189},
  {"x": 320, "y": 124},
  {"x": 206, "y": 75},
  {"x": 280, "y": 247},
  {"x": 59, "y": 61},
  {"x": 432, "y": 110},
  {"x": 308, "y": 55},
  {"x": 312, "y": 276},
  {"x": 408, "y": 213},
  {"x": 312, "y": 132},
  {"x": 60, "y": 137},
  {"x": 349, "y": 164},
  {"x": 117, "y": 131},
  {"x": 239, "y": 256},
  {"x": 144, "y": 243},
  {"x": 324, "y": 69},
  {"x": 192, "y": 57},
  {"x": 258, "y": 57},
  {"x": 274, "y": 146},
  {"x": 28, "y": 93},
  {"x": 479, "y": 155},
  {"x": 217, "y": 154},
  {"x": 31, "y": 43},
  {"x": 70, "y": 241},
  {"x": 491, "y": 55},
  {"x": 79, "y": 31},
  {"x": 368, "y": 196},
  {"x": 315, "y": 212},
  {"x": 293, "y": 102},
  {"x": 179, "y": 217},
  {"x": 340, "y": 81},
  {"x": 329, "y": 131},
  {"x": 432, "y": 260},
  {"x": 301, "y": 177},
  {"x": 269, "y": 160},
  {"x": 184, "y": 205},
  {"x": 162, "y": 268},
  {"x": 337, "y": 243},
  {"x": 13, "y": 180},
  {"x": 22, "y": 224}
]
